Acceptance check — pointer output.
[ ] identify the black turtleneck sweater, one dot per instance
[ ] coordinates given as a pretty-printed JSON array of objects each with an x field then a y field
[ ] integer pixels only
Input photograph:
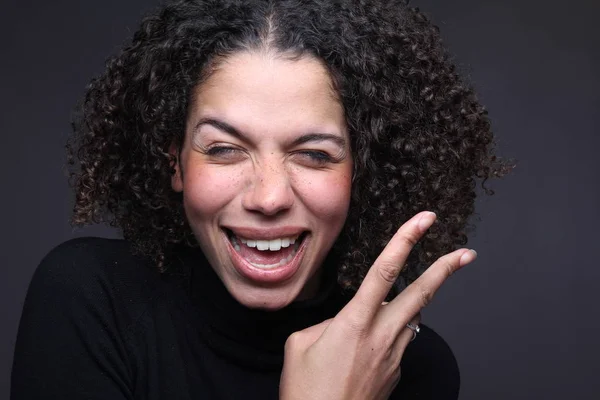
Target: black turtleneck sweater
[{"x": 102, "y": 323}]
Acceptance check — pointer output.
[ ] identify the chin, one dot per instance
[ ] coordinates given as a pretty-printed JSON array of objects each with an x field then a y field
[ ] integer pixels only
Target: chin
[{"x": 263, "y": 298}]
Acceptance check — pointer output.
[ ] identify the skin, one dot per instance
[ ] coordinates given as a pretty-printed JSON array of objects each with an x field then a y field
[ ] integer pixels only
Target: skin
[
  {"x": 357, "y": 354},
  {"x": 261, "y": 177},
  {"x": 269, "y": 181}
]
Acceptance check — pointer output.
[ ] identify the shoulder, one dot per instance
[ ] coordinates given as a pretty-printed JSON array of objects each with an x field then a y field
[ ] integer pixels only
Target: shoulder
[
  {"x": 429, "y": 368},
  {"x": 83, "y": 261},
  {"x": 96, "y": 273},
  {"x": 87, "y": 253},
  {"x": 83, "y": 301}
]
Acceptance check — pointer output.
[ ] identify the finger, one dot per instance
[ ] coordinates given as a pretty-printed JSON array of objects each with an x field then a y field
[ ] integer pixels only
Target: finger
[
  {"x": 314, "y": 332},
  {"x": 419, "y": 294},
  {"x": 384, "y": 272},
  {"x": 405, "y": 336},
  {"x": 307, "y": 337}
]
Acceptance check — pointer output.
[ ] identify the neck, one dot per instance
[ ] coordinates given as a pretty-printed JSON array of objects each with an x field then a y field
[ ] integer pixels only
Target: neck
[{"x": 251, "y": 336}]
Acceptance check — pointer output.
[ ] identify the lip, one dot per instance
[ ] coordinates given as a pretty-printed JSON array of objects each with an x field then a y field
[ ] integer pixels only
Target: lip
[
  {"x": 266, "y": 234},
  {"x": 266, "y": 276}
]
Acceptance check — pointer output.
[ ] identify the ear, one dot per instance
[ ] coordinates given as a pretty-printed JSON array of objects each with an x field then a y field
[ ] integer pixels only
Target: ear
[{"x": 177, "y": 177}]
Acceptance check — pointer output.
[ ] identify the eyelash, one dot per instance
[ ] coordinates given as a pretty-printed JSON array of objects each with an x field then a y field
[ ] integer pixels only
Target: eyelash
[
  {"x": 220, "y": 150},
  {"x": 318, "y": 157}
]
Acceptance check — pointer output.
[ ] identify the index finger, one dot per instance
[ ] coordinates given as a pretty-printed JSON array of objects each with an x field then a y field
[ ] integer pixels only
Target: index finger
[
  {"x": 386, "y": 269},
  {"x": 418, "y": 294}
]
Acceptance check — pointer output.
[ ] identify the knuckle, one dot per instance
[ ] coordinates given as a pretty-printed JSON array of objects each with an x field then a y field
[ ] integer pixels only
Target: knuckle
[
  {"x": 426, "y": 298},
  {"x": 425, "y": 295},
  {"x": 389, "y": 271},
  {"x": 292, "y": 342},
  {"x": 386, "y": 340},
  {"x": 356, "y": 325}
]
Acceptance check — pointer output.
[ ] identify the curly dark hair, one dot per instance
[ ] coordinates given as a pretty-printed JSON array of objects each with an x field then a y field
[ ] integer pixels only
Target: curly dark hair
[{"x": 420, "y": 139}]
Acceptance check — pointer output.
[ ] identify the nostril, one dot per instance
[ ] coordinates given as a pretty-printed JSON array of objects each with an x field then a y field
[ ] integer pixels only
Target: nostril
[{"x": 269, "y": 198}]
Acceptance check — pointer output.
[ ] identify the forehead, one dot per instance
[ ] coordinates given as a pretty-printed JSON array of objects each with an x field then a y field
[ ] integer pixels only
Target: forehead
[{"x": 259, "y": 89}]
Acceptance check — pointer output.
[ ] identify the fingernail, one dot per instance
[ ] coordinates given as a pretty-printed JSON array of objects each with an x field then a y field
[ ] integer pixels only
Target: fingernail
[
  {"x": 468, "y": 257},
  {"x": 426, "y": 220}
]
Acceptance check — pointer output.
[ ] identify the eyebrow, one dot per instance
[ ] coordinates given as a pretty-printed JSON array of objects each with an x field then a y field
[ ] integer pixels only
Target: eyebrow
[{"x": 309, "y": 137}]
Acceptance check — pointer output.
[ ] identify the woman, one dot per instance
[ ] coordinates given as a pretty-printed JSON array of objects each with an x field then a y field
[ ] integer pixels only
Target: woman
[{"x": 259, "y": 157}]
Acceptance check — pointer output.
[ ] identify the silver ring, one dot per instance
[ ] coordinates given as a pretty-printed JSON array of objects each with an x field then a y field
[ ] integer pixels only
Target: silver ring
[{"x": 415, "y": 329}]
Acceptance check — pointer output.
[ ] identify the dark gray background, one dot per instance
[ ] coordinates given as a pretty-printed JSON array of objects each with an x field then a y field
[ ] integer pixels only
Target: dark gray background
[{"x": 522, "y": 320}]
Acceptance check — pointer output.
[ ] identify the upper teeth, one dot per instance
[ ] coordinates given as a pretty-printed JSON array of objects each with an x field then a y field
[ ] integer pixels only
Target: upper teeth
[{"x": 273, "y": 245}]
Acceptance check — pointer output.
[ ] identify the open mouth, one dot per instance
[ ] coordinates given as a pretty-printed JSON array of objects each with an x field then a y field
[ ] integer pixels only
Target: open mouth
[{"x": 266, "y": 254}]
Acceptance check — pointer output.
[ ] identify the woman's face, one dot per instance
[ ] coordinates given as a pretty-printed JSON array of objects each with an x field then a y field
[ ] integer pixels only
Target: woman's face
[{"x": 266, "y": 172}]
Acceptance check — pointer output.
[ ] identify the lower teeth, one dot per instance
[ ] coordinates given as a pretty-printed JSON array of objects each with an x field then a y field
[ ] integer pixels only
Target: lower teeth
[{"x": 283, "y": 261}]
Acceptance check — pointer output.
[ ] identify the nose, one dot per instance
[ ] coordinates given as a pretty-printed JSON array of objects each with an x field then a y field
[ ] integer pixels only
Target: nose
[{"x": 270, "y": 191}]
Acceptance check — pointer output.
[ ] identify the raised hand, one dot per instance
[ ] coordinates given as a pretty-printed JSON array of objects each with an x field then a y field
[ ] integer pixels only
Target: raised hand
[{"x": 357, "y": 354}]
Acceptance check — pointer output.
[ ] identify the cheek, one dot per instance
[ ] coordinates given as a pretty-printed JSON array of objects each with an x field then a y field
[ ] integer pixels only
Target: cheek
[
  {"x": 208, "y": 189},
  {"x": 327, "y": 195}
]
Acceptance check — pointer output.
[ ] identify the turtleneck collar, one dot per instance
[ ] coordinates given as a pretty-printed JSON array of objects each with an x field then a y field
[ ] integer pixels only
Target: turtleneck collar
[{"x": 251, "y": 337}]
